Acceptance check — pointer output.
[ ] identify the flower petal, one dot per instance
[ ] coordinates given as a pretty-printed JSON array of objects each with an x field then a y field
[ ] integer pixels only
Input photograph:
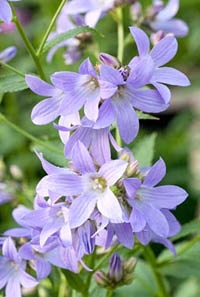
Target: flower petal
[
  {"x": 174, "y": 225},
  {"x": 169, "y": 11},
  {"x": 131, "y": 186},
  {"x": 127, "y": 119},
  {"x": 109, "y": 207},
  {"x": 82, "y": 159},
  {"x": 163, "y": 91},
  {"x": 112, "y": 171},
  {"x": 40, "y": 86},
  {"x": 141, "y": 40},
  {"x": 46, "y": 111},
  {"x": 164, "y": 196},
  {"x": 155, "y": 174},
  {"x": 81, "y": 209},
  {"x": 63, "y": 184},
  {"x": 124, "y": 234},
  {"x": 146, "y": 100},
  {"x": 91, "y": 107},
  {"x": 170, "y": 76},
  {"x": 13, "y": 288},
  {"x": 164, "y": 50},
  {"x": 137, "y": 220},
  {"x": 5, "y": 13},
  {"x": 178, "y": 27},
  {"x": 106, "y": 115}
]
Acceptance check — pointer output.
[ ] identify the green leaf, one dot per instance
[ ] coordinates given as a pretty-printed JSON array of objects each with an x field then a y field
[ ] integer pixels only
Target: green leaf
[
  {"x": 66, "y": 35},
  {"x": 143, "y": 149},
  {"x": 74, "y": 281},
  {"x": 54, "y": 154},
  {"x": 12, "y": 83},
  {"x": 146, "y": 116},
  {"x": 187, "y": 229}
]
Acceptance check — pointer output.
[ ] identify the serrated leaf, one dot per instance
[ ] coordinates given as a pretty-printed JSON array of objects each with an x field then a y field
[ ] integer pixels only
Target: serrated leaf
[
  {"x": 74, "y": 281},
  {"x": 143, "y": 149},
  {"x": 67, "y": 35},
  {"x": 187, "y": 229},
  {"x": 12, "y": 83}
]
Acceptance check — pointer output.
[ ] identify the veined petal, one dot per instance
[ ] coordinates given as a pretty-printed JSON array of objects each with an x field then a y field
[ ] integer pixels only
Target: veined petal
[
  {"x": 109, "y": 207},
  {"x": 107, "y": 89},
  {"x": 169, "y": 11},
  {"x": 137, "y": 220},
  {"x": 91, "y": 107},
  {"x": 155, "y": 174},
  {"x": 142, "y": 72},
  {"x": 46, "y": 111},
  {"x": 164, "y": 196},
  {"x": 178, "y": 27},
  {"x": 141, "y": 40},
  {"x": 100, "y": 146},
  {"x": 66, "y": 235},
  {"x": 124, "y": 234},
  {"x": 86, "y": 67},
  {"x": 174, "y": 225},
  {"x": 146, "y": 100},
  {"x": 9, "y": 250},
  {"x": 82, "y": 159},
  {"x": 111, "y": 75},
  {"x": 63, "y": 184},
  {"x": 43, "y": 268},
  {"x": 107, "y": 115},
  {"x": 40, "y": 86},
  {"x": 170, "y": 76},
  {"x": 131, "y": 186},
  {"x": 13, "y": 287},
  {"x": 127, "y": 119},
  {"x": 164, "y": 91},
  {"x": 5, "y": 12},
  {"x": 27, "y": 280},
  {"x": 81, "y": 209},
  {"x": 164, "y": 50},
  {"x": 50, "y": 229},
  {"x": 155, "y": 219},
  {"x": 113, "y": 170}
]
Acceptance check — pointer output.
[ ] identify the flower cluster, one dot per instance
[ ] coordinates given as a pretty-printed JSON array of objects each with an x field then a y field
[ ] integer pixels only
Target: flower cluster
[{"x": 97, "y": 200}]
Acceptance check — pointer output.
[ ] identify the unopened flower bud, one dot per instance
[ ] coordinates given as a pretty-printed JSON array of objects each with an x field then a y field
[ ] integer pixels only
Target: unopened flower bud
[
  {"x": 132, "y": 169},
  {"x": 109, "y": 60},
  {"x": 129, "y": 265},
  {"x": 136, "y": 11},
  {"x": 16, "y": 172},
  {"x": 115, "y": 271},
  {"x": 156, "y": 37},
  {"x": 101, "y": 278},
  {"x": 125, "y": 156}
]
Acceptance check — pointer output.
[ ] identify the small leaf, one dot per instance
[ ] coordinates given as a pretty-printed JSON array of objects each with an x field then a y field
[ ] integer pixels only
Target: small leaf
[
  {"x": 146, "y": 116},
  {"x": 66, "y": 35},
  {"x": 143, "y": 149},
  {"x": 12, "y": 83},
  {"x": 74, "y": 281}
]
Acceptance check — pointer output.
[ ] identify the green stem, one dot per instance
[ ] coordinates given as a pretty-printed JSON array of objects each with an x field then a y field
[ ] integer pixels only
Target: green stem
[
  {"x": 120, "y": 35},
  {"x": 46, "y": 35},
  {"x": 28, "y": 45},
  {"x": 151, "y": 259},
  {"x": 7, "y": 66},
  {"x": 28, "y": 135},
  {"x": 109, "y": 293}
]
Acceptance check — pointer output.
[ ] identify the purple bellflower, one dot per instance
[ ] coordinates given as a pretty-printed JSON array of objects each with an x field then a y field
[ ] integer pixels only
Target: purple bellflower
[
  {"x": 50, "y": 108},
  {"x": 148, "y": 202},
  {"x": 12, "y": 270},
  {"x": 5, "y": 11},
  {"x": 90, "y": 187},
  {"x": 161, "y": 54},
  {"x": 163, "y": 18}
]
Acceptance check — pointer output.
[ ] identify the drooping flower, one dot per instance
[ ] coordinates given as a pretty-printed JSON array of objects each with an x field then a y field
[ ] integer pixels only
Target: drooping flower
[
  {"x": 5, "y": 11},
  {"x": 161, "y": 54},
  {"x": 12, "y": 270}
]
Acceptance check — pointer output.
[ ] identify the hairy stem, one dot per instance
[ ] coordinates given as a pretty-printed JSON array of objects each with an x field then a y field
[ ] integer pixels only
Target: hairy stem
[{"x": 46, "y": 35}]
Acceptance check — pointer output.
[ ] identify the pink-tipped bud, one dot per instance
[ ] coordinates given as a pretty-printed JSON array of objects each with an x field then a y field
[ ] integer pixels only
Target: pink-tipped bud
[{"x": 109, "y": 60}]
